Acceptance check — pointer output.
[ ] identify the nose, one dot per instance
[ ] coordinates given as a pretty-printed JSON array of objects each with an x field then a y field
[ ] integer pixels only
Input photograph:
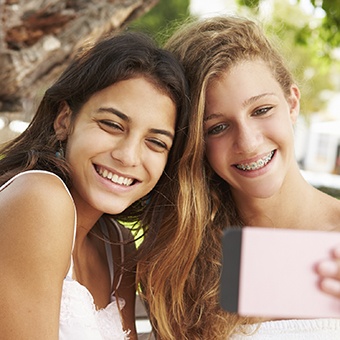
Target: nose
[
  {"x": 128, "y": 152},
  {"x": 247, "y": 138}
]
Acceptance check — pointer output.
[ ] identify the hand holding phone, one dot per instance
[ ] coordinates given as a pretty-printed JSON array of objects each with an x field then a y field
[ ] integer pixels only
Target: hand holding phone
[{"x": 271, "y": 273}]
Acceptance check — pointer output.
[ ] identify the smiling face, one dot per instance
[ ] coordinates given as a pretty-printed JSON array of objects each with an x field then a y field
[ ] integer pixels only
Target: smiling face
[
  {"x": 249, "y": 129},
  {"x": 119, "y": 144}
]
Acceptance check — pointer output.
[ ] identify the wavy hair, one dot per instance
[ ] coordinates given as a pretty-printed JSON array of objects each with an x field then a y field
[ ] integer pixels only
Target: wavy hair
[{"x": 206, "y": 48}]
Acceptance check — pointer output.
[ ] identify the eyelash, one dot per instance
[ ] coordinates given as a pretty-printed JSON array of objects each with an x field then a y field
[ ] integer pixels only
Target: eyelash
[
  {"x": 112, "y": 125},
  {"x": 115, "y": 126},
  {"x": 262, "y": 111},
  {"x": 158, "y": 144},
  {"x": 217, "y": 129}
]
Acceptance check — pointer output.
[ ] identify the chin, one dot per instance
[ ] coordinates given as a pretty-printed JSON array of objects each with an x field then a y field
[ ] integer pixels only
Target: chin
[
  {"x": 264, "y": 193},
  {"x": 258, "y": 191},
  {"x": 114, "y": 210}
]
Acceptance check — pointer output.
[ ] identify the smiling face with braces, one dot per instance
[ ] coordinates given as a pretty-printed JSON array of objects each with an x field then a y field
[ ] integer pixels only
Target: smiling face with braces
[{"x": 248, "y": 128}]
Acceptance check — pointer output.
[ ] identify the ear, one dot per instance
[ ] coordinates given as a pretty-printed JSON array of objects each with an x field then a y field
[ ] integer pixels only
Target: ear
[
  {"x": 294, "y": 103},
  {"x": 62, "y": 123}
]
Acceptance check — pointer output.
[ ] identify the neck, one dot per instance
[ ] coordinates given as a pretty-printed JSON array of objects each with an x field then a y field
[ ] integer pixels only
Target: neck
[{"x": 87, "y": 216}]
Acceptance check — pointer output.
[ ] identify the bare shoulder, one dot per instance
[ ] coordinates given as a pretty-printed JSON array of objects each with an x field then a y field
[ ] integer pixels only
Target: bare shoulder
[
  {"x": 36, "y": 191},
  {"x": 35, "y": 209},
  {"x": 37, "y": 228}
]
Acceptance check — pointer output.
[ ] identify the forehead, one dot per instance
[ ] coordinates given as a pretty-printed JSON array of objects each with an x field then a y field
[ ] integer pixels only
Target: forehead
[
  {"x": 134, "y": 97},
  {"x": 242, "y": 76},
  {"x": 240, "y": 85},
  {"x": 125, "y": 89}
]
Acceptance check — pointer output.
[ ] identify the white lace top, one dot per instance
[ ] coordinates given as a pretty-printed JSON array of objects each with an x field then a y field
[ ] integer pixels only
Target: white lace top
[
  {"x": 316, "y": 329},
  {"x": 79, "y": 318}
]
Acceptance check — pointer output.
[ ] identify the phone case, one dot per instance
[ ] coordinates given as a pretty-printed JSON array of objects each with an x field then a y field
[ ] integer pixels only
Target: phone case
[{"x": 270, "y": 273}]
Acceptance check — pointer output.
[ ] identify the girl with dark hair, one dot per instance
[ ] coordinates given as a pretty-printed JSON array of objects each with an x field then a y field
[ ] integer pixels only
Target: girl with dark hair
[{"x": 105, "y": 140}]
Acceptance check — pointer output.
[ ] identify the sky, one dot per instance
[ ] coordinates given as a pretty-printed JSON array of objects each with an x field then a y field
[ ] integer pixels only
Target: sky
[
  {"x": 206, "y": 8},
  {"x": 211, "y": 7}
]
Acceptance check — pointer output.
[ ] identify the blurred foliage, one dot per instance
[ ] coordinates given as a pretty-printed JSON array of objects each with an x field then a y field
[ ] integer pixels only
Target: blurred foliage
[
  {"x": 331, "y": 23},
  {"x": 329, "y": 30},
  {"x": 250, "y": 3},
  {"x": 331, "y": 191},
  {"x": 159, "y": 21}
]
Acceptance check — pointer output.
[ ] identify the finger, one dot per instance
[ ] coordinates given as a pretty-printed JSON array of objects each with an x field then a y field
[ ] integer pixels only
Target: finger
[
  {"x": 330, "y": 286},
  {"x": 329, "y": 269},
  {"x": 336, "y": 253}
]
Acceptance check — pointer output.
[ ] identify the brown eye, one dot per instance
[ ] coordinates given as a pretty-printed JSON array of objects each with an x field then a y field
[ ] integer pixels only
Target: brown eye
[
  {"x": 215, "y": 130},
  {"x": 157, "y": 145},
  {"x": 262, "y": 111},
  {"x": 109, "y": 124}
]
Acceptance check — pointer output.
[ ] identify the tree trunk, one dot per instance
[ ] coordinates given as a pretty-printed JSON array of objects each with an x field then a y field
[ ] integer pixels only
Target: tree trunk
[{"x": 37, "y": 38}]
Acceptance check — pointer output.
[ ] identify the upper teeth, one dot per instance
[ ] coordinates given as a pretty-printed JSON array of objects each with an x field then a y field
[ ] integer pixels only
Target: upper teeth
[
  {"x": 256, "y": 165},
  {"x": 114, "y": 177}
]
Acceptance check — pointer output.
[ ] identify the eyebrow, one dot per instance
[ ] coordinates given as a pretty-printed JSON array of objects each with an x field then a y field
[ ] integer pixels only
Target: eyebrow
[
  {"x": 212, "y": 116},
  {"x": 124, "y": 117},
  {"x": 116, "y": 112},
  {"x": 163, "y": 132},
  {"x": 253, "y": 99}
]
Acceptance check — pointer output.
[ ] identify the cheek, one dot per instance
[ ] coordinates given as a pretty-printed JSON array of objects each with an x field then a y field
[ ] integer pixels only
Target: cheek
[
  {"x": 155, "y": 166},
  {"x": 282, "y": 130},
  {"x": 215, "y": 152},
  {"x": 77, "y": 147}
]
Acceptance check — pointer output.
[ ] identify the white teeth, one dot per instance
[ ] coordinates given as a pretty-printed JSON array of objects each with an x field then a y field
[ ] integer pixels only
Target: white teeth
[
  {"x": 114, "y": 177},
  {"x": 256, "y": 165}
]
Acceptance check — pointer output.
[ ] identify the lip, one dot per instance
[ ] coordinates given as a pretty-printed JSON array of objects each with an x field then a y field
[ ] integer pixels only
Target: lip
[
  {"x": 124, "y": 178},
  {"x": 255, "y": 172}
]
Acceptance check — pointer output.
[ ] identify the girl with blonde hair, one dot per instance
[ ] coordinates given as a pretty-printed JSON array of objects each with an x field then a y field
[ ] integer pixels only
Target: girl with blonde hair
[{"x": 241, "y": 148}]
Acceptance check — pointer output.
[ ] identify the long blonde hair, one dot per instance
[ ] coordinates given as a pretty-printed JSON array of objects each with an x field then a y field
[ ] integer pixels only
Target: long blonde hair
[
  {"x": 207, "y": 49},
  {"x": 180, "y": 276}
]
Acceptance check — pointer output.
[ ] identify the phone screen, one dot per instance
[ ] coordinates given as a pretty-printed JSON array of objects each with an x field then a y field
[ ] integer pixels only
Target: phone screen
[{"x": 270, "y": 272}]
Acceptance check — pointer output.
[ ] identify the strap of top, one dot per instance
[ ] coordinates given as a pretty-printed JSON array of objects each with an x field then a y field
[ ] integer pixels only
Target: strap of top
[{"x": 108, "y": 250}]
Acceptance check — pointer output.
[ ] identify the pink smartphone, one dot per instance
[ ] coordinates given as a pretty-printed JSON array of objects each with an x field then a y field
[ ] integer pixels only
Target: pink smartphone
[{"x": 270, "y": 273}]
